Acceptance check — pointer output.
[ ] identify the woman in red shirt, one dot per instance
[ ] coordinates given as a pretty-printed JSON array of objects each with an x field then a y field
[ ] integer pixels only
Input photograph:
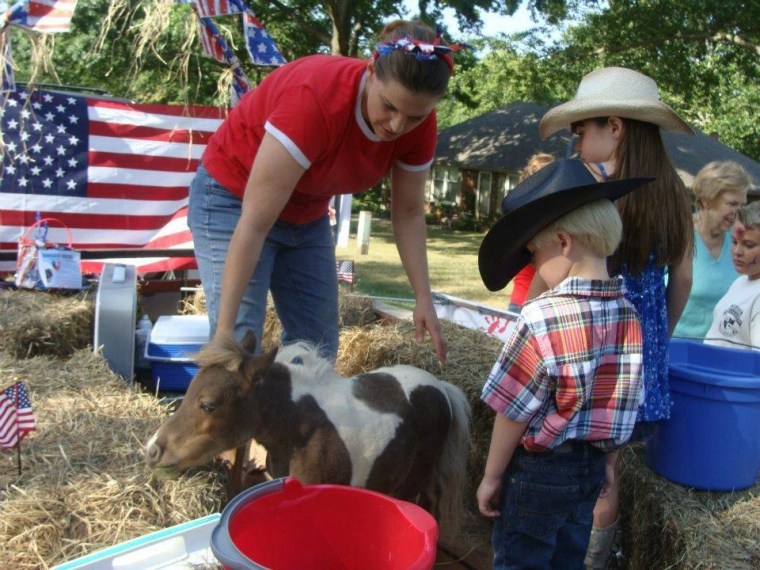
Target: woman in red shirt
[{"x": 317, "y": 127}]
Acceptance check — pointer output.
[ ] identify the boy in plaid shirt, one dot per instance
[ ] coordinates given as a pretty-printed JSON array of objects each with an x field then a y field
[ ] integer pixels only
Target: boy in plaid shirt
[{"x": 567, "y": 385}]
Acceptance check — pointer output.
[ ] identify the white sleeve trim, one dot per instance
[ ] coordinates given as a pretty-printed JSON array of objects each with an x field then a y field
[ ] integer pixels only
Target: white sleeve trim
[
  {"x": 289, "y": 145},
  {"x": 414, "y": 167}
]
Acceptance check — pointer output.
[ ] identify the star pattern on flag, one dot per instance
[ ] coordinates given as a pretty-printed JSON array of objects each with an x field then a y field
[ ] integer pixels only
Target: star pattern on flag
[
  {"x": 44, "y": 145},
  {"x": 260, "y": 45}
]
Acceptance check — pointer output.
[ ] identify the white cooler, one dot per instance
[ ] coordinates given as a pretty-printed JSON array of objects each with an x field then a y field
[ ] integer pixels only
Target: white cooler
[
  {"x": 184, "y": 546},
  {"x": 173, "y": 340}
]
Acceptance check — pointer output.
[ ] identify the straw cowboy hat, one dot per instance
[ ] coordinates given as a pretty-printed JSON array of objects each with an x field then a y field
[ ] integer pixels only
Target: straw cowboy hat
[
  {"x": 614, "y": 91},
  {"x": 555, "y": 190}
]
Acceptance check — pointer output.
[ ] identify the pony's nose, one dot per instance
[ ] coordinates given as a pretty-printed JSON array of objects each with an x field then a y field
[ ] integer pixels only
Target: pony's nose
[{"x": 152, "y": 451}]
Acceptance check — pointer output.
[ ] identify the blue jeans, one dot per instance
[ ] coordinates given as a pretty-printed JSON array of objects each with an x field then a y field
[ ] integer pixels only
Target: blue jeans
[
  {"x": 297, "y": 264},
  {"x": 547, "y": 508}
]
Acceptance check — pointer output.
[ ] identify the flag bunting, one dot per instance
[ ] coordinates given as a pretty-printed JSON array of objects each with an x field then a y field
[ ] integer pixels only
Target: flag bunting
[
  {"x": 48, "y": 16},
  {"x": 259, "y": 44}
]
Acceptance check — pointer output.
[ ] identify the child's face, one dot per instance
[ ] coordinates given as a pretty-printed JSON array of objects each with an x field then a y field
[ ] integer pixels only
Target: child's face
[
  {"x": 595, "y": 143},
  {"x": 551, "y": 265},
  {"x": 745, "y": 250}
]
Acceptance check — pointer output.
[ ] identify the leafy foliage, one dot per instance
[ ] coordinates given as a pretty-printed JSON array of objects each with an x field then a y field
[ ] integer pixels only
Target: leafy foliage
[
  {"x": 105, "y": 50},
  {"x": 704, "y": 54}
]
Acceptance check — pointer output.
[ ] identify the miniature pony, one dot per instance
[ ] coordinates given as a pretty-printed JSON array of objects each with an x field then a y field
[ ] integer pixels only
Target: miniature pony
[{"x": 397, "y": 430}]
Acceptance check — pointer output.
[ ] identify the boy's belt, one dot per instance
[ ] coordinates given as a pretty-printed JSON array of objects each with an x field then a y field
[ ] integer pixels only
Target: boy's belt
[{"x": 567, "y": 446}]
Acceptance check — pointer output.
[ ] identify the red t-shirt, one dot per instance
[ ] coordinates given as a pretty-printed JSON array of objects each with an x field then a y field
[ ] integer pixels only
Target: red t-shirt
[
  {"x": 521, "y": 284},
  {"x": 313, "y": 107}
]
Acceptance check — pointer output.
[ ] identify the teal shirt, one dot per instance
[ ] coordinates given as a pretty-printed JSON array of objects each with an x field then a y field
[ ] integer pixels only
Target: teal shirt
[{"x": 711, "y": 279}]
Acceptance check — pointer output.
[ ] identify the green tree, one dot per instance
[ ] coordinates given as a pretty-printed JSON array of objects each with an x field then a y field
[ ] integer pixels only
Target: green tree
[
  {"x": 703, "y": 55},
  {"x": 106, "y": 49}
]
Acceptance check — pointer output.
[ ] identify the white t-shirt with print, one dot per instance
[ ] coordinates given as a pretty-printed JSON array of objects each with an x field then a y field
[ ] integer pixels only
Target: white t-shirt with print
[{"x": 736, "y": 317}]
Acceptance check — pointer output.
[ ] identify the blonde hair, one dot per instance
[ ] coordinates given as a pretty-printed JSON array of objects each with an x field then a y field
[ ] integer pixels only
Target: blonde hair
[
  {"x": 749, "y": 216},
  {"x": 717, "y": 177},
  {"x": 534, "y": 164},
  {"x": 596, "y": 225}
]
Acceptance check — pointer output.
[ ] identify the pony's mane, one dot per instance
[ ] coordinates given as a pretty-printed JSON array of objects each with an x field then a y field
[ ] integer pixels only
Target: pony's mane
[
  {"x": 230, "y": 353},
  {"x": 307, "y": 355},
  {"x": 225, "y": 351}
]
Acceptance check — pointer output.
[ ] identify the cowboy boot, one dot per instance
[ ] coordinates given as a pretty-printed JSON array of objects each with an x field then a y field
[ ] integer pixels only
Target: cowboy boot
[{"x": 600, "y": 547}]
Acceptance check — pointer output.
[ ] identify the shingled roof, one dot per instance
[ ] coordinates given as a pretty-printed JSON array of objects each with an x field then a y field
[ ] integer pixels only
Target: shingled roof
[{"x": 504, "y": 139}]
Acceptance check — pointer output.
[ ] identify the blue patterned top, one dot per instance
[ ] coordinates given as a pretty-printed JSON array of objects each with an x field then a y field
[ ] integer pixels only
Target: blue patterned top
[
  {"x": 711, "y": 279},
  {"x": 646, "y": 291}
]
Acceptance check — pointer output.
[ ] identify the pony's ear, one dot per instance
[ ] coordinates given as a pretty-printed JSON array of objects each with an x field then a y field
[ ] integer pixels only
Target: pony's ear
[
  {"x": 255, "y": 367},
  {"x": 249, "y": 342}
]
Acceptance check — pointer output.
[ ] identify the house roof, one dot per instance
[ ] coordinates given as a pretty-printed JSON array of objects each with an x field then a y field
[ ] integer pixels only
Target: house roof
[{"x": 503, "y": 140}]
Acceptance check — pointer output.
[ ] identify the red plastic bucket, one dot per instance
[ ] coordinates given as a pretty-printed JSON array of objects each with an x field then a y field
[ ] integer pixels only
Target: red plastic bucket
[{"x": 282, "y": 525}]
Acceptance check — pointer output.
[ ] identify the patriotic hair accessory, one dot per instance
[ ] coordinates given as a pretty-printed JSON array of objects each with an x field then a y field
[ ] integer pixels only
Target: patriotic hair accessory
[{"x": 423, "y": 51}]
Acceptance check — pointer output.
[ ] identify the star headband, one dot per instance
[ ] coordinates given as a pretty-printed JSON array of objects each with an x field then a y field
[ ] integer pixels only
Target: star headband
[{"x": 423, "y": 51}]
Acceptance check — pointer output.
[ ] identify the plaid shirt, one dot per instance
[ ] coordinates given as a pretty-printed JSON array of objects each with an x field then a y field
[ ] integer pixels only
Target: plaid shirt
[{"x": 572, "y": 367}]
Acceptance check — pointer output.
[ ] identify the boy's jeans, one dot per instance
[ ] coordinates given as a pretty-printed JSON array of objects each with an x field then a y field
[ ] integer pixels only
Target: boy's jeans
[
  {"x": 297, "y": 264},
  {"x": 547, "y": 507}
]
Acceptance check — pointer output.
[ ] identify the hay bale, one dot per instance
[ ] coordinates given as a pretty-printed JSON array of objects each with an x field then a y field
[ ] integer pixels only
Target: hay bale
[
  {"x": 85, "y": 485},
  {"x": 353, "y": 311},
  {"x": 36, "y": 323},
  {"x": 666, "y": 525},
  {"x": 193, "y": 304}
]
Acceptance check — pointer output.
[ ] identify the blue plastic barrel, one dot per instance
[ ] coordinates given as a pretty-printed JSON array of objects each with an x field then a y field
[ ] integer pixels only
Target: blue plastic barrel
[{"x": 712, "y": 440}]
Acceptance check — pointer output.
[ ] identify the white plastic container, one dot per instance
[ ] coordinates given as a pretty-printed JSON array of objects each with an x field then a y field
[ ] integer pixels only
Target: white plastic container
[
  {"x": 184, "y": 546},
  {"x": 142, "y": 336}
]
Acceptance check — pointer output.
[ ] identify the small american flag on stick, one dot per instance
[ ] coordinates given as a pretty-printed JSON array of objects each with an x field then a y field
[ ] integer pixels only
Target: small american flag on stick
[
  {"x": 345, "y": 269},
  {"x": 16, "y": 418}
]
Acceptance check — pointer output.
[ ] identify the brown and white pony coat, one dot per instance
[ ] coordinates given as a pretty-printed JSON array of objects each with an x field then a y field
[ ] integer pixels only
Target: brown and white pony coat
[{"x": 397, "y": 430}]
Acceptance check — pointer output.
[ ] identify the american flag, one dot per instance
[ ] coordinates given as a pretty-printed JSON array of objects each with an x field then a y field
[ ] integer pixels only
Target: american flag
[
  {"x": 260, "y": 45},
  {"x": 345, "y": 269},
  {"x": 49, "y": 16},
  {"x": 212, "y": 42},
  {"x": 116, "y": 173},
  {"x": 213, "y": 8},
  {"x": 16, "y": 418}
]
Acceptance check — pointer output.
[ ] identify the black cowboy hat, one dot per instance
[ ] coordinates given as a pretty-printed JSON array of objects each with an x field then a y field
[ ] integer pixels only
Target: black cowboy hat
[{"x": 557, "y": 189}]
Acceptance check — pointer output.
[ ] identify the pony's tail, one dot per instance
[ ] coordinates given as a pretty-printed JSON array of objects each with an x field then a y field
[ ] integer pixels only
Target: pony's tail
[{"x": 447, "y": 485}]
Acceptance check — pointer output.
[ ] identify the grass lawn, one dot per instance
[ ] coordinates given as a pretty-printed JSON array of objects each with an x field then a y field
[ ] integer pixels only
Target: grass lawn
[{"x": 452, "y": 257}]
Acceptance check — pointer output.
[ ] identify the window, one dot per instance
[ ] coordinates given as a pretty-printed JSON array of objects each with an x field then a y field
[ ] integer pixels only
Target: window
[
  {"x": 484, "y": 194},
  {"x": 445, "y": 186},
  {"x": 510, "y": 182}
]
